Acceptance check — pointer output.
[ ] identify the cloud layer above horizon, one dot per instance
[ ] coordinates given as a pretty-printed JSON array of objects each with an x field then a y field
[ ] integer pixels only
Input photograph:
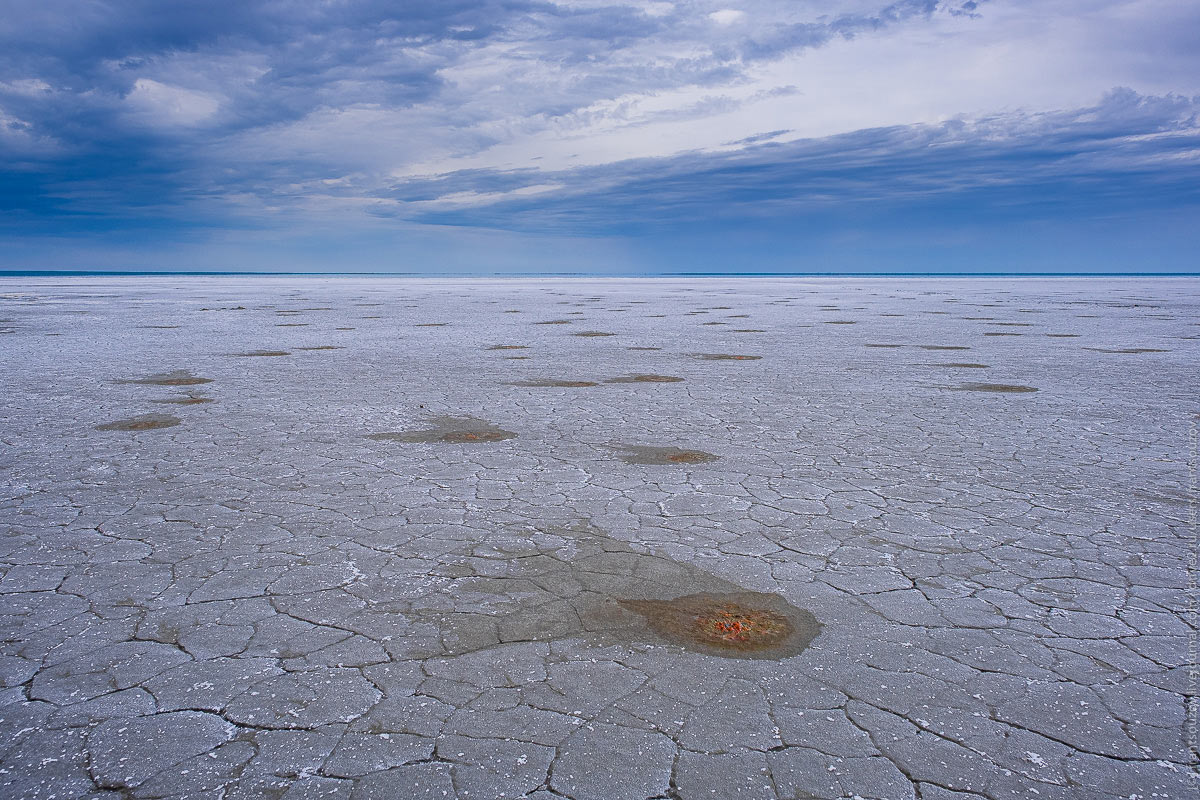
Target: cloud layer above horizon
[{"x": 593, "y": 135}]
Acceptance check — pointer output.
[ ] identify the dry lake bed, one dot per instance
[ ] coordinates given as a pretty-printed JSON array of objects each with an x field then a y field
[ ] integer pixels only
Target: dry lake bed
[{"x": 598, "y": 539}]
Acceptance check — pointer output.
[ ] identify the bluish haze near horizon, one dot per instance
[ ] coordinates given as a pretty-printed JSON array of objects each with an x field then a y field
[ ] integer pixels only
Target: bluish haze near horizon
[{"x": 606, "y": 137}]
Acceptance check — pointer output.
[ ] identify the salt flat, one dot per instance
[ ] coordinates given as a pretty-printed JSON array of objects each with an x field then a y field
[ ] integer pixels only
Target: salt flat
[{"x": 351, "y": 538}]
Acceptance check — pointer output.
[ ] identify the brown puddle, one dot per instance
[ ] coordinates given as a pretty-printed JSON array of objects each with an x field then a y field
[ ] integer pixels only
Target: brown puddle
[
  {"x": 258, "y": 353},
  {"x": 1126, "y": 350},
  {"x": 552, "y": 383},
  {"x": 556, "y": 583},
  {"x": 725, "y": 357},
  {"x": 179, "y": 377},
  {"x": 449, "y": 430},
  {"x": 186, "y": 400},
  {"x": 994, "y": 387},
  {"x": 663, "y": 456},
  {"x": 145, "y": 422},
  {"x": 645, "y": 379},
  {"x": 593, "y": 333},
  {"x": 734, "y": 625}
]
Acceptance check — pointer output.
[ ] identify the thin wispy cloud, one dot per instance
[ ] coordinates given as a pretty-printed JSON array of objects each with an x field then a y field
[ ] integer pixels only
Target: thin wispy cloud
[{"x": 582, "y": 118}]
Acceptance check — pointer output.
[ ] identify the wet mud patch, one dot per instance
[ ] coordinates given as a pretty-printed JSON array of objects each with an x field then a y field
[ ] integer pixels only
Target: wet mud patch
[
  {"x": 186, "y": 400},
  {"x": 553, "y": 583},
  {"x": 1003, "y": 388},
  {"x": 725, "y": 357},
  {"x": 593, "y": 333},
  {"x": 733, "y": 625},
  {"x": 554, "y": 383},
  {"x": 262, "y": 354},
  {"x": 664, "y": 456},
  {"x": 144, "y": 422},
  {"x": 449, "y": 430},
  {"x": 1126, "y": 350},
  {"x": 179, "y": 377},
  {"x": 882, "y": 345},
  {"x": 645, "y": 379}
]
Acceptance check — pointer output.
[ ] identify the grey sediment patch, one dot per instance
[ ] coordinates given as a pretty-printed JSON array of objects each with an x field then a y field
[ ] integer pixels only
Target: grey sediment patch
[
  {"x": 1005, "y": 388},
  {"x": 554, "y": 583},
  {"x": 449, "y": 430},
  {"x": 664, "y": 456},
  {"x": 645, "y": 379},
  {"x": 144, "y": 422},
  {"x": 179, "y": 377},
  {"x": 725, "y": 357},
  {"x": 555, "y": 383}
]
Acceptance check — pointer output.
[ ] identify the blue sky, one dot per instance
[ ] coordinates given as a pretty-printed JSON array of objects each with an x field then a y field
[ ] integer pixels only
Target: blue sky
[{"x": 600, "y": 136}]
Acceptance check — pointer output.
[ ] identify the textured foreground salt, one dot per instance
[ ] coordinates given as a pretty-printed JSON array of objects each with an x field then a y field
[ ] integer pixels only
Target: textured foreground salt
[{"x": 393, "y": 555}]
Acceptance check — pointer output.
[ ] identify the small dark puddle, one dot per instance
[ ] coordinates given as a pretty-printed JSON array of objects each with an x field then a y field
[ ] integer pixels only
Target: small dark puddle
[
  {"x": 145, "y": 422},
  {"x": 449, "y": 430},
  {"x": 664, "y": 456},
  {"x": 645, "y": 379},
  {"x": 179, "y": 377},
  {"x": 995, "y": 387}
]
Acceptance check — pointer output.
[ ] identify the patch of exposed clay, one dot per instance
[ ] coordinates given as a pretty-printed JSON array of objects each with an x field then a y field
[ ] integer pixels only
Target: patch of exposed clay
[
  {"x": 144, "y": 422},
  {"x": 664, "y": 456},
  {"x": 1006, "y": 388},
  {"x": 449, "y": 430},
  {"x": 645, "y": 379},
  {"x": 179, "y": 377}
]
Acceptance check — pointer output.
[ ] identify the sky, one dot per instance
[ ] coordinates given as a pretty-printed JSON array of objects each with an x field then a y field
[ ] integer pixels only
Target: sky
[{"x": 600, "y": 136}]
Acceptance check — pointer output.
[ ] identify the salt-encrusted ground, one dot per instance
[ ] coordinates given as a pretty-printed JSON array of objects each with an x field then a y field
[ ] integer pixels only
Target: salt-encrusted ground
[{"x": 393, "y": 561}]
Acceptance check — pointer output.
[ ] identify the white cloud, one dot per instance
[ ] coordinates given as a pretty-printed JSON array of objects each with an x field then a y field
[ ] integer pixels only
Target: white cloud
[
  {"x": 726, "y": 16},
  {"x": 161, "y": 104}
]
